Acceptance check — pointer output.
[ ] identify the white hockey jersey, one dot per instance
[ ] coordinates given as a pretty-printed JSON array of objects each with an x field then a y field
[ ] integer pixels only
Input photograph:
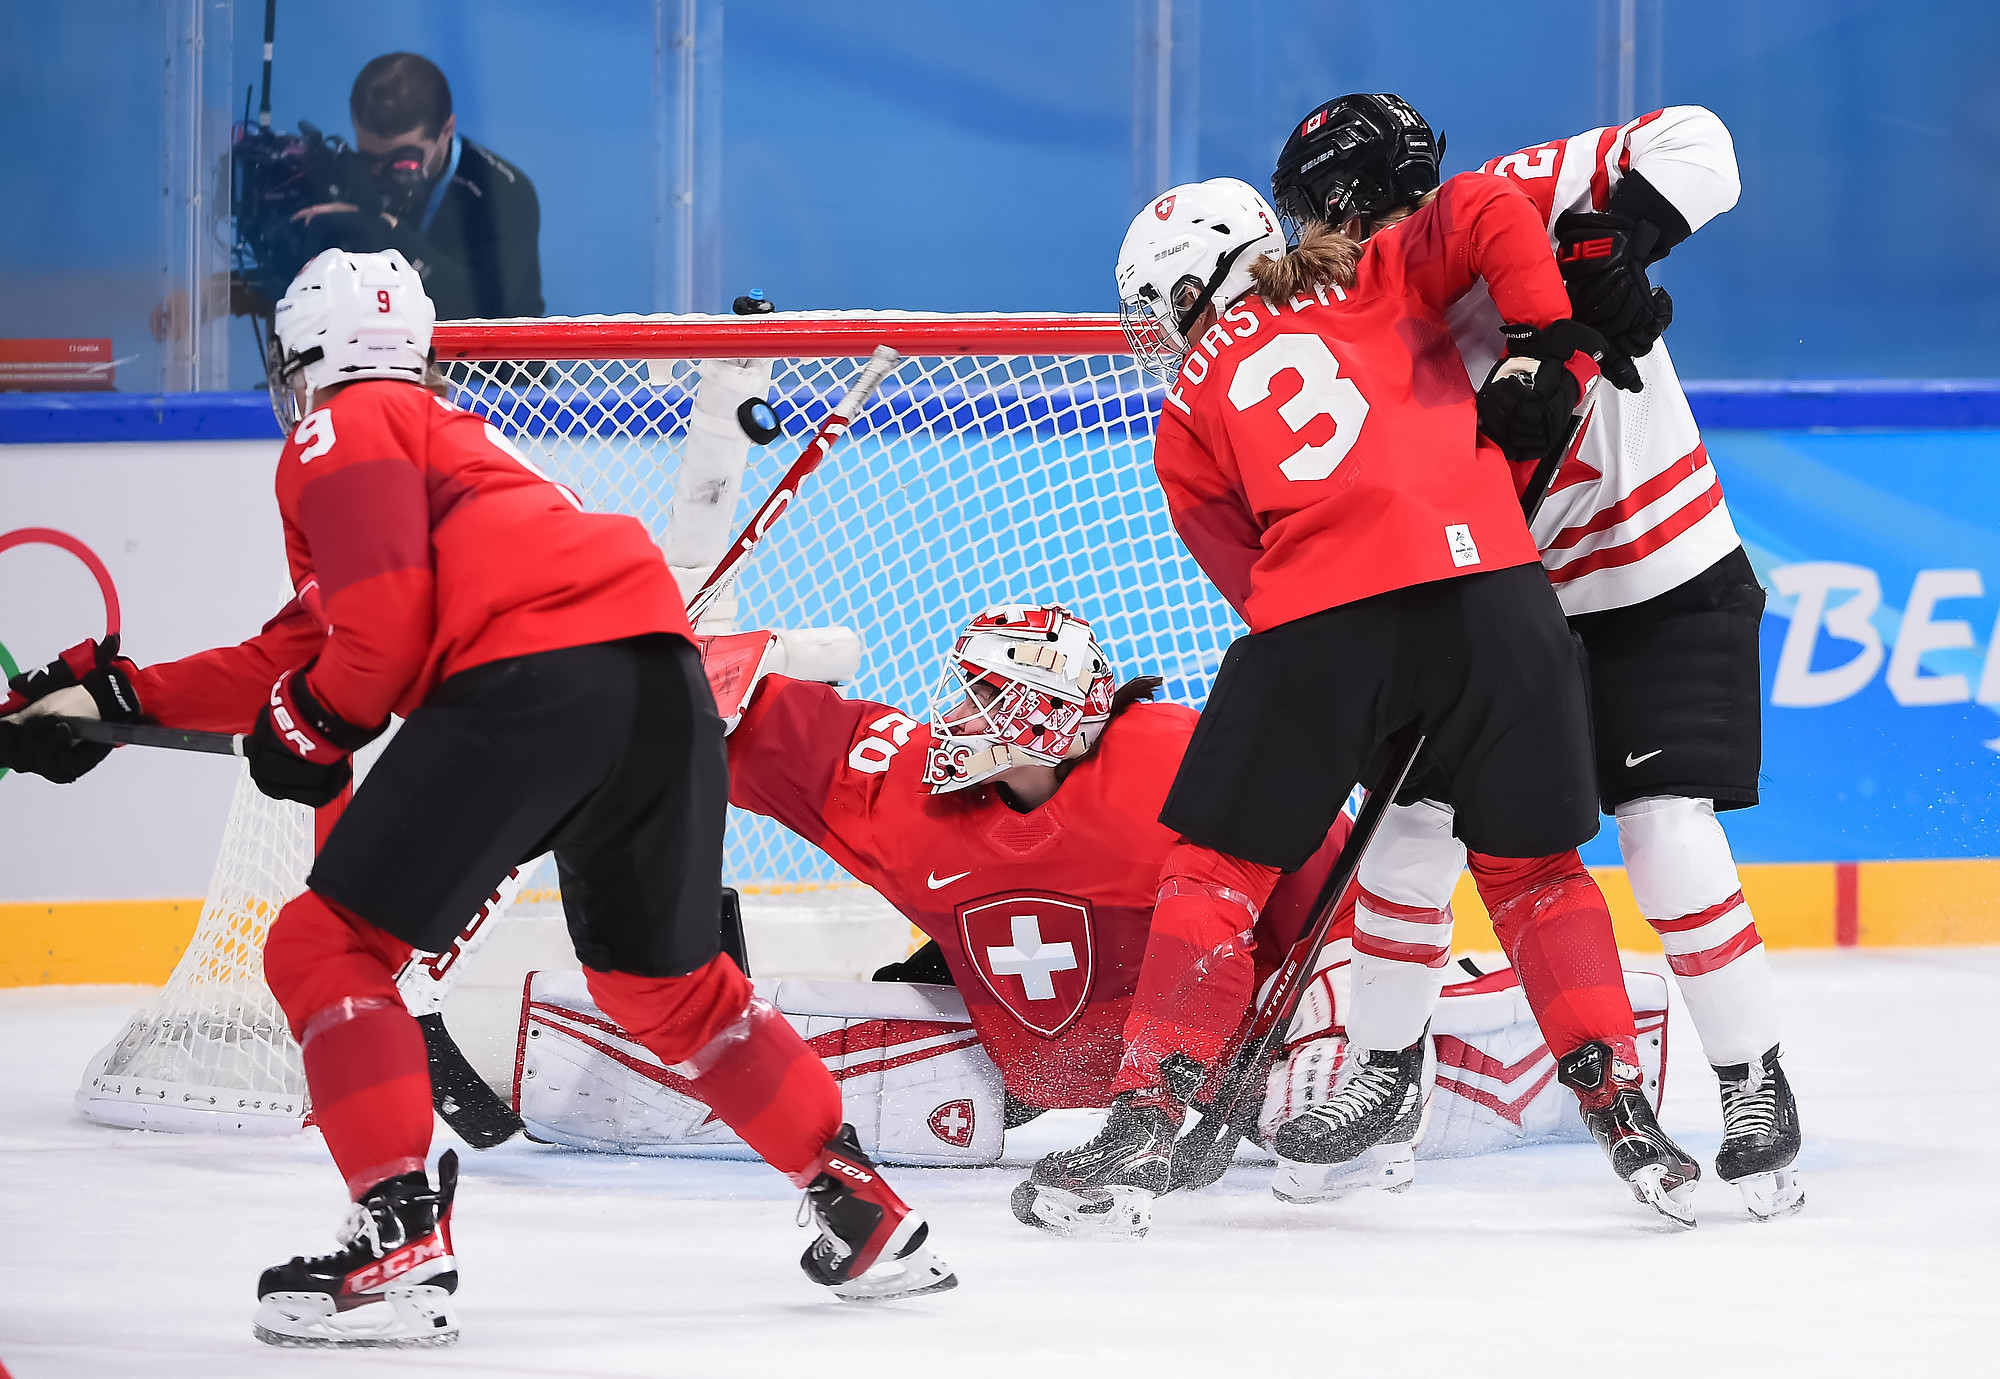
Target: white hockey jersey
[{"x": 1638, "y": 510}]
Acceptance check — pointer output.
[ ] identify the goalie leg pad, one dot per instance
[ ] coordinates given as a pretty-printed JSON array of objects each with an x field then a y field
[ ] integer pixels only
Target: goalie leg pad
[
  {"x": 1685, "y": 882},
  {"x": 738, "y": 1053}
]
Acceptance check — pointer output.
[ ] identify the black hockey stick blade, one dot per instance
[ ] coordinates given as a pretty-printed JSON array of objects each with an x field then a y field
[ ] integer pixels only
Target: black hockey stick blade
[
  {"x": 461, "y": 1096},
  {"x": 152, "y": 735},
  {"x": 732, "y": 930}
]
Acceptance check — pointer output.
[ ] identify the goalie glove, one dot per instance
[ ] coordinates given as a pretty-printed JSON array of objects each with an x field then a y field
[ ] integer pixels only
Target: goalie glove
[
  {"x": 299, "y": 749},
  {"x": 90, "y": 680},
  {"x": 1526, "y": 401}
]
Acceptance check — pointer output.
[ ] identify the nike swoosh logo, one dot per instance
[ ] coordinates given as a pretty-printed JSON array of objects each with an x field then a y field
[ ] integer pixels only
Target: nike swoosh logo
[
  {"x": 936, "y": 884},
  {"x": 1631, "y": 760}
]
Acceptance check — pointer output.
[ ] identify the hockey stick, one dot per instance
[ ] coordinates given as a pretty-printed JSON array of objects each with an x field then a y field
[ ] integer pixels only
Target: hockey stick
[
  {"x": 1203, "y": 1154},
  {"x": 872, "y": 373},
  {"x": 151, "y": 735}
]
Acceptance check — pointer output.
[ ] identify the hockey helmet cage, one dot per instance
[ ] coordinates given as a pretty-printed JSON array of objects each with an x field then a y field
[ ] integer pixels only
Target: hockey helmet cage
[
  {"x": 1192, "y": 245},
  {"x": 1024, "y": 684},
  {"x": 348, "y": 317},
  {"x": 1358, "y": 155}
]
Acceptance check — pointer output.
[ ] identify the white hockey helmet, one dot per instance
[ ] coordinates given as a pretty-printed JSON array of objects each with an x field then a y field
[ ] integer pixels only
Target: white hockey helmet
[
  {"x": 1025, "y": 684},
  {"x": 348, "y": 317},
  {"x": 1193, "y": 245}
]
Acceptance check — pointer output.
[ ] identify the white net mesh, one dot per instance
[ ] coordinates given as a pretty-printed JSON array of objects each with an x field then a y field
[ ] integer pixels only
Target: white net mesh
[
  {"x": 968, "y": 481},
  {"x": 212, "y": 1050}
]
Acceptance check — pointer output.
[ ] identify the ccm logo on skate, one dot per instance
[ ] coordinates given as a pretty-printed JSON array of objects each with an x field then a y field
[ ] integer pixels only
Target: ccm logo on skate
[
  {"x": 952, "y": 1122},
  {"x": 859, "y": 1175},
  {"x": 379, "y": 1273}
]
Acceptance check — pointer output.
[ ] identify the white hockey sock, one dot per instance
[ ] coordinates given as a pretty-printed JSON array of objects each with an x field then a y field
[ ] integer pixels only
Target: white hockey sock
[
  {"x": 1402, "y": 926},
  {"x": 1677, "y": 858}
]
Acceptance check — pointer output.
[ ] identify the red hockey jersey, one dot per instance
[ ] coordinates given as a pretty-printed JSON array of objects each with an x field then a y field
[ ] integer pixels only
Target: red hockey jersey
[
  {"x": 421, "y": 543},
  {"x": 1043, "y": 916},
  {"x": 1322, "y": 450}
]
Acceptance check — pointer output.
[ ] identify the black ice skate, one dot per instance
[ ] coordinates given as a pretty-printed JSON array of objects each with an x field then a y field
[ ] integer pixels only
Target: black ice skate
[
  {"x": 1105, "y": 1186},
  {"x": 1610, "y": 1091},
  {"x": 390, "y": 1284},
  {"x": 871, "y": 1246},
  {"x": 1363, "y": 1137},
  {"x": 1760, "y": 1137}
]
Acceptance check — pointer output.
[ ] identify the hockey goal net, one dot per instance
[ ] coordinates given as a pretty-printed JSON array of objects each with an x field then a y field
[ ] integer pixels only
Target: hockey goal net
[{"x": 1006, "y": 458}]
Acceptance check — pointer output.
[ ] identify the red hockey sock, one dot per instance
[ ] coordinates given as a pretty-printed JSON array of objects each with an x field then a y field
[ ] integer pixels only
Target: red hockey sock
[
  {"x": 1552, "y": 922},
  {"x": 334, "y": 975},
  {"x": 1198, "y": 974},
  {"x": 744, "y": 1058}
]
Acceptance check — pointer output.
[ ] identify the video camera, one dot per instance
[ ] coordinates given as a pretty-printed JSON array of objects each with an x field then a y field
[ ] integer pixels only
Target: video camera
[{"x": 275, "y": 175}]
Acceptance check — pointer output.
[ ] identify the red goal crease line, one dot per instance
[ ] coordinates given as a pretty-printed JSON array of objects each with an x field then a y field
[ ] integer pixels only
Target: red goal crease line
[{"x": 779, "y": 336}]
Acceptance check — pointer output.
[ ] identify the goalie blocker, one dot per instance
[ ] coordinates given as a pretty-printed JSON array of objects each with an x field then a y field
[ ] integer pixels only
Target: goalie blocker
[{"x": 919, "y": 1089}]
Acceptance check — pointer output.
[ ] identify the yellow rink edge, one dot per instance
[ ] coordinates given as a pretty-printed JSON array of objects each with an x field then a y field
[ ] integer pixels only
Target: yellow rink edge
[{"x": 1797, "y": 905}]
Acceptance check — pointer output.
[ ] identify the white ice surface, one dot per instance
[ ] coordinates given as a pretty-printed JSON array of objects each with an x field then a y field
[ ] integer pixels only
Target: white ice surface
[{"x": 131, "y": 1253}]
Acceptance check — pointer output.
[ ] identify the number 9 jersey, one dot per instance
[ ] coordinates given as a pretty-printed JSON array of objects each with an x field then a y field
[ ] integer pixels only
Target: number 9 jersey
[{"x": 1325, "y": 449}]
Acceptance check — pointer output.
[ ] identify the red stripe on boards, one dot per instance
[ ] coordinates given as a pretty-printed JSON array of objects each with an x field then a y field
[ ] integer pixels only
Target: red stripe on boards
[{"x": 1846, "y": 904}]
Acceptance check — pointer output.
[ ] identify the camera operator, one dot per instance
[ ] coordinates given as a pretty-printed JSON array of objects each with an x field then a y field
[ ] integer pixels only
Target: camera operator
[{"x": 467, "y": 220}]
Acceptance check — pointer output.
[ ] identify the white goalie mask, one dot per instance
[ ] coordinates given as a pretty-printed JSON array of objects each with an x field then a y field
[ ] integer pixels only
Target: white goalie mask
[
  {"x": 1025, "y": 684},
  {"x": 347, "y": 317},
  {"x": 1192, "y": 246}
]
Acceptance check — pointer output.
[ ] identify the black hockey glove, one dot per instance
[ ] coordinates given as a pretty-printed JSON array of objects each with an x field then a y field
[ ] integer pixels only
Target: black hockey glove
[
  {"x": 90, "y": 680},
  {"x": 1603, "y": 261},
  {"x": 1525, "y": 403},
  {"x": 299, "y": 749},
  {"x": 1604, "y": 257}
]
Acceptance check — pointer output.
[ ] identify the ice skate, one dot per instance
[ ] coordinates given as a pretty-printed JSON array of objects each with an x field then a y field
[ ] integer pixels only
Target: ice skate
[
  {"x": 1760, "y": 1137},
  {"x": 389, "y": 1285},
  {"x": 871, "y": 1246},
  {"x": 1363, "y": 1137},
  {"x": 1105, "y": 1186},
  {"x": 1615, "y": 1110}
]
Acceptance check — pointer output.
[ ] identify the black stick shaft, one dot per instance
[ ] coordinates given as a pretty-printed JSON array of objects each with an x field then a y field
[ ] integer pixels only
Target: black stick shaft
[{"x": 152, "y": 735}]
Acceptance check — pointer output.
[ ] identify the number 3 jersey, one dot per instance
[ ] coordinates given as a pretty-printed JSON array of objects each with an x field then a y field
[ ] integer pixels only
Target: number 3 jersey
[
  {"x": 1322, "y": 450},
  {"x": 1043, "y": 916},
  {"x": 421, "y": 544}
]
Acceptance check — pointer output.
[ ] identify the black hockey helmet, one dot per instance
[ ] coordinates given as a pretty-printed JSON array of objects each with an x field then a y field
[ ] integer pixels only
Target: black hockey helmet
[{"x": 1356, "y": 155}]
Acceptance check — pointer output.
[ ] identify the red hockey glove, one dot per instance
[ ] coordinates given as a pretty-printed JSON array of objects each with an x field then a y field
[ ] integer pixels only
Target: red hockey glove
[
  {"x": 299, "y": 749},
  {"x": 90, "y": 680}
]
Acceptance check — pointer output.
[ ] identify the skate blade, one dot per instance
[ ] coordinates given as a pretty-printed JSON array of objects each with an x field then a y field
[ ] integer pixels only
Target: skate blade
[
  {"x": 1671, "y": 1197},
  {"x": 915, "y": 1274},
  {"x": 1384, "y": 1168},
  {"x": 410, "y": 1317},
  {"x": 1767, "y": 1196},
  {"x": 1098, "y": 1213}
]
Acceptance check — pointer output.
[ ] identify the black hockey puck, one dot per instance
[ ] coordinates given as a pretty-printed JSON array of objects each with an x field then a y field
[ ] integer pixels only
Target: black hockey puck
[{"x": 759, "y": 420}]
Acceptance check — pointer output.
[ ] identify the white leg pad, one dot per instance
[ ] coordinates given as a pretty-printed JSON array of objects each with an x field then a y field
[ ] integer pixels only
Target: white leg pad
[
  {"x": 1402, "y": 926},
  {"x": 1684, "y": 879}
]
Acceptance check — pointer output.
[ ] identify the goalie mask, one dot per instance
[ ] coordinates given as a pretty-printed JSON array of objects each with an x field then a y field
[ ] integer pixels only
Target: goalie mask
[
  {"x": 1359, "y": 155},
  {"x": 1191, "y": 247},
  {"x": 1025, "y": 684},
  {"x": 347, "y": 317}
]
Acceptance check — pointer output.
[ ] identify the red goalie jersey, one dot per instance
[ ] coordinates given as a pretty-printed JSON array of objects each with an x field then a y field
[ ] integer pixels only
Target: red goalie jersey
[
  {"x": 421, "y": 544},
  {"x": 1043, "y": 916},
  {"x": 1317, "y": 452}
]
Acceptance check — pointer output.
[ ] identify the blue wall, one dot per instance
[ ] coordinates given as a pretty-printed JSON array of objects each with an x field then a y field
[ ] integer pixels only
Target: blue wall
[{"x": 909, "y": 154}]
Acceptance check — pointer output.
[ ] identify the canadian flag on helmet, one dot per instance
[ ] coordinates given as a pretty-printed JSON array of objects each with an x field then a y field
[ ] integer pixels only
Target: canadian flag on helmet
[{"x": 1313, "y": 121}]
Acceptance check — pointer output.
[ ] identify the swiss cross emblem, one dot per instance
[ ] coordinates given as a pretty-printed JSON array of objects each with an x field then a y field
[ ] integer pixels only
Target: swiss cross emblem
[
  {"x": 1164, "y": 207},
  {"x": 952, "y": 1122},
  {"x": 1034, "y": 953}
]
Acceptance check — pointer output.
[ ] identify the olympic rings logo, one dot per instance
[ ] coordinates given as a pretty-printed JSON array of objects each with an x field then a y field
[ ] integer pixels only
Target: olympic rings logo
[{"x": 49, "y": 536}]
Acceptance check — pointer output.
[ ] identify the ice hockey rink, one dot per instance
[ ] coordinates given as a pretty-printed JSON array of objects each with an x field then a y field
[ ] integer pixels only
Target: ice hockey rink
[{"x": 137, "y": 1253}]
